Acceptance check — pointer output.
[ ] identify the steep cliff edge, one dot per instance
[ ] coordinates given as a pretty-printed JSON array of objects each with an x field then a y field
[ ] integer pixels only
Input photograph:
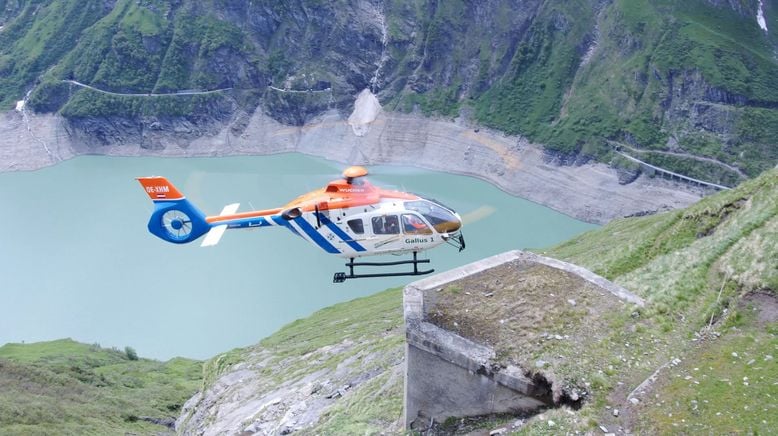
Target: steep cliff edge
[
  {"x": 697, "y": 78},
  {"x": 699, "y": 357},
  {"x": 336, "y": 372}
]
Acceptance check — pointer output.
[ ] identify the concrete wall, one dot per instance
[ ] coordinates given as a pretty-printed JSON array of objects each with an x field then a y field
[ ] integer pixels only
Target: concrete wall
[
  {"x": 448, "y": 375},
  {"x": 439, "y": 388}
]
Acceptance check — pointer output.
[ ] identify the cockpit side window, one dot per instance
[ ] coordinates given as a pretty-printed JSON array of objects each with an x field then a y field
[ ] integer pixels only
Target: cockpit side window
[
  {"x": 413, "y": 225},
  {"x": 356, "y": 226},
  {"x": 386, "y": 225}
]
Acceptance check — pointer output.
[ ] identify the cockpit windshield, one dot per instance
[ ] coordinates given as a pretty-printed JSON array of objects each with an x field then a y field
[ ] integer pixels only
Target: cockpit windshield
[
  {"x": 438, "y": 203},
  {"x": 439, "y": 216}
]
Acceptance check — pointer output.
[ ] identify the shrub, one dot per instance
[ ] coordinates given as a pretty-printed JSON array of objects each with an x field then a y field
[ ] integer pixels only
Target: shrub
[{"x": 131, "y": 354}]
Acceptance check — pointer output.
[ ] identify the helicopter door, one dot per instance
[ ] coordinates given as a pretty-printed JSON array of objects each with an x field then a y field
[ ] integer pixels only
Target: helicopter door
[{"x": 385, "y": 225}]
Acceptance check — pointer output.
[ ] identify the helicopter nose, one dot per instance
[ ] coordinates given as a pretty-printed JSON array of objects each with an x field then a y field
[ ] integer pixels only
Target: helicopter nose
[
  {"x": 457, "y": 224},
  {"x": 450, "y": 225}
]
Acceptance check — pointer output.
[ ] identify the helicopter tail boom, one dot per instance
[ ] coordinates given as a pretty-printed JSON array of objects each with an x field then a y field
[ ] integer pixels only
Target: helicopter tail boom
[{"x": 175, "y": 219}]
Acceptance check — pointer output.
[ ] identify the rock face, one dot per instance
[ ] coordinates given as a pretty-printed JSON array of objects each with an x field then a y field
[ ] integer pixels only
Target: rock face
[
  {"x": 247, "y": 400},
  {"x": 366, "y": 110},
  {"x": 336, "y": 372}
]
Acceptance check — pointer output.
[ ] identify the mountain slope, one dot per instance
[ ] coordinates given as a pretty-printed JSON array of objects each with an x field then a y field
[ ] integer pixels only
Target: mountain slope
[
  {"x": 64, "y": 387},
  {"x": 710, "y": 276},
  {"x": 700, "y": 357},
  {"x": 695, "y": 78}
]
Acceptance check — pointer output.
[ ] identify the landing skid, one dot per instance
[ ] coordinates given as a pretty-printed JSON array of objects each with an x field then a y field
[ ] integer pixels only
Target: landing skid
[{"x": 341, "y": 277}]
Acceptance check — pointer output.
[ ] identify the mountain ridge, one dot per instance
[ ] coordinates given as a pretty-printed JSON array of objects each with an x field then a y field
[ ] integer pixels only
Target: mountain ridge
[{"x": 697, "y": 77}]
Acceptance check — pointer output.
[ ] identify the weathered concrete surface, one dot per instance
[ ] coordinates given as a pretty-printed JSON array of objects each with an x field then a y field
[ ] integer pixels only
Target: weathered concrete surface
[
  {"x": 414, "y": 301},
  {"x": 449, "y": 375},
  {"x": 590, "y": 192},
  {"x": 438, "y": 388}
]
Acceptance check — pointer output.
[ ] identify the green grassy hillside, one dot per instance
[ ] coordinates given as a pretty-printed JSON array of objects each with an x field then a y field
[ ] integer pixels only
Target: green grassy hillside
[
  {"x": 681, "y": 76},
  {"x": 709, "y": 275},
  {"x": 67, "y": 388}
]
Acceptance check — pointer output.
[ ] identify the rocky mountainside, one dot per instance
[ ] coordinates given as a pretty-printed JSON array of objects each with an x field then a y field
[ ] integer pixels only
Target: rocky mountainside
[
  {"x": 670, "y": 81},
  {"x": 699, "y": 357}
]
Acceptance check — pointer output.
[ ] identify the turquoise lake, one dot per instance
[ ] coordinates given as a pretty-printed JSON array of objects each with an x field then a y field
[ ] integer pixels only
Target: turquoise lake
[{"x": 76, "y": 259}]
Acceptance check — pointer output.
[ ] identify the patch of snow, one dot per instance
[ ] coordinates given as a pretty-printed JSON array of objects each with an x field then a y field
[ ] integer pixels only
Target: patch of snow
[
  {"x": 20, "y": 105},
  {"x": 760, "y": 17},
  {"x": 366, "y": 110}
]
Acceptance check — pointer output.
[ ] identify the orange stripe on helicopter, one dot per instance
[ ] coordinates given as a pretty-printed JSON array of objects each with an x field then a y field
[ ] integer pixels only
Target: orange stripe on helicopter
[
  {"x": 323, "y": 200},
  {"x": 252, "y": 214},
  {"x": 339, "y": 194},
  {"x": 159, "y": 188}
]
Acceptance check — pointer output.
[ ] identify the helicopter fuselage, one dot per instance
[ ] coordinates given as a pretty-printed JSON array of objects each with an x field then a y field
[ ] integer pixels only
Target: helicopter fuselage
[
  {"x": 368, "y": 221},
  {"x": 349, "y": 218}
]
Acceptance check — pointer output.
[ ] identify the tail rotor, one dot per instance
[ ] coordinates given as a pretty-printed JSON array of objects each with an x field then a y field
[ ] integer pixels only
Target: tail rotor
[{"x": 177, "y": 224}]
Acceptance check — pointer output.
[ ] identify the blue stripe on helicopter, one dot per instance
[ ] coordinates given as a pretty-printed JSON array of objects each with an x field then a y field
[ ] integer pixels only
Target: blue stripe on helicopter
[
  {"x": 316, "y": 236},
  {"x": 284, "y": 223},
  {"x": 340, "y": 233},
  {"x": 251, "y": 223}
]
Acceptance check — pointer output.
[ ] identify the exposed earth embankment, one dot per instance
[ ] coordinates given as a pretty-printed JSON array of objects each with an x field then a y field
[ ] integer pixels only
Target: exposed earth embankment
[{"x": 590, "y": 191}]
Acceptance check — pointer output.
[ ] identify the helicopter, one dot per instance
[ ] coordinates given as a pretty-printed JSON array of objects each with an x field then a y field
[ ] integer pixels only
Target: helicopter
[{"x": 349, "y": 217}]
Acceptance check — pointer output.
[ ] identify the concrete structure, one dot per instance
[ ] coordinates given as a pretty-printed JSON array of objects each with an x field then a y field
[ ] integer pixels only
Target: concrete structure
[
  {"x": 662, "y": 172},
  {"x": 448, "y": 375}
]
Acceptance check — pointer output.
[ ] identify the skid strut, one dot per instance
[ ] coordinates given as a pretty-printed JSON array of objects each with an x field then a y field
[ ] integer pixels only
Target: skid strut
[{"x": 341, "y": 277}]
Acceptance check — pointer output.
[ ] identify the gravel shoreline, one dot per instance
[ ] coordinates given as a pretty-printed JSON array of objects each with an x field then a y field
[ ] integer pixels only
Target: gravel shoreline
[{"x": 589, "y": 192}]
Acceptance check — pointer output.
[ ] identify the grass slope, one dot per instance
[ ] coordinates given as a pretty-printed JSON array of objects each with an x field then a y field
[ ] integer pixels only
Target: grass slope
[
  {"x": 727, "y": 386},
  {"x": 68, "y": 388},
  {"x": 38, "y": 37},
  {"x": 709, "y": 276}
]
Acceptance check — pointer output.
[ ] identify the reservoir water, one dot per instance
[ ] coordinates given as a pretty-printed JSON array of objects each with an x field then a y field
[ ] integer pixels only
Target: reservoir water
[{"x": 77, "y": 261}]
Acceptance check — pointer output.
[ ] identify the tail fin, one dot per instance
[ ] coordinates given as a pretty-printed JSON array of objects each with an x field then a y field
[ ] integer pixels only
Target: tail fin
[{"x": 174, "y": 219}]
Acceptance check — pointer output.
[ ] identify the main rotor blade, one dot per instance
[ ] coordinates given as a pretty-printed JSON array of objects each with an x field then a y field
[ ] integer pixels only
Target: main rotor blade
[{"x": 477, "y": 214}]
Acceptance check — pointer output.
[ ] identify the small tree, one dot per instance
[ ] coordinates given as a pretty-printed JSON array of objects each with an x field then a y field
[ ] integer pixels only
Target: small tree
[{"x": 130, "y": 352}]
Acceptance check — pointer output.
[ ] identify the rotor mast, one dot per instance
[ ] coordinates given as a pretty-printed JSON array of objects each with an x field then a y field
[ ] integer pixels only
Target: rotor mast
[{"x": 354, "y": 172}]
